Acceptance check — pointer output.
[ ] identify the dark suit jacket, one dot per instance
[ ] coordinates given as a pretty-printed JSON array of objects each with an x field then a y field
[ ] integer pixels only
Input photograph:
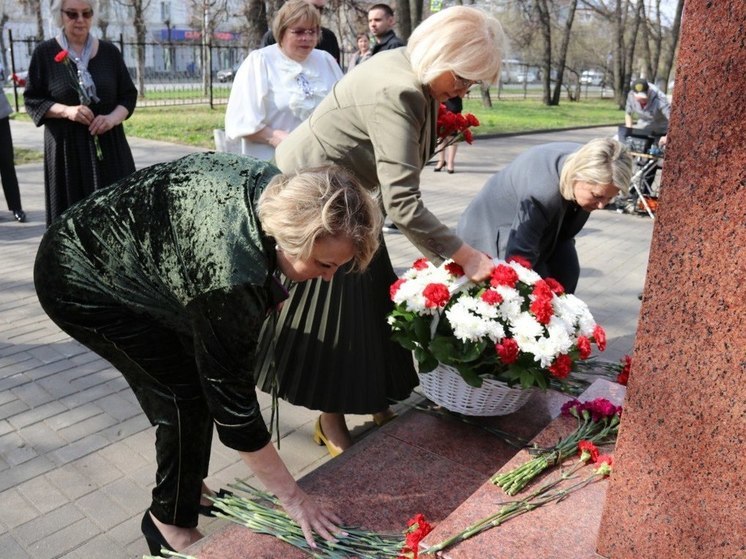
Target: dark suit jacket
[{"x": 520, "y": 210}]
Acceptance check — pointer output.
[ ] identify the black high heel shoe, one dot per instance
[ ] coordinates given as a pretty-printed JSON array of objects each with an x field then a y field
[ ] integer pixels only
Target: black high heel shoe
[
  {"x": 211, "y": 509},
  {"x": 153, "y": 535},
  {"x": 19, "y": 216},
  {"x": 438, "y": 168}
]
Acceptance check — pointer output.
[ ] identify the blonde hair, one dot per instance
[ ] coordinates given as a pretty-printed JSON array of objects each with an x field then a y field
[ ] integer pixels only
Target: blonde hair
[
  {"x": 292, "y": 13},
  {"x": 56, "y": 10},
  {"x": 600, "y": 161},
  {"x": 460, "y": 39},
  {"x": 317, "y": 203}
]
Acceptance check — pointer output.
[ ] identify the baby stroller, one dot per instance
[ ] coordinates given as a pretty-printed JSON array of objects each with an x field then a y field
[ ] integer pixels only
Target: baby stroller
[{"x": 648, "y": 156}]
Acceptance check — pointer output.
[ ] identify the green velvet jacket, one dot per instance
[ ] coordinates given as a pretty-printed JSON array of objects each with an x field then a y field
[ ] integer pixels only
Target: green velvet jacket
[{"x": 180, "y": 243}]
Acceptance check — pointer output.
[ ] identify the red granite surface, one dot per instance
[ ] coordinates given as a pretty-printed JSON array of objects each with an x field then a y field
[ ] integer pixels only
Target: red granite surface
[
  {"x": 557, "y": 530},
  {"x": 678, "y": 490},
  {"x": 421, "y": 462}
]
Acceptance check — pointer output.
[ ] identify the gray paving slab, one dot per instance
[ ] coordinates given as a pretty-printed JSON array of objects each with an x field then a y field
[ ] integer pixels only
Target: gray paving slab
[{"x": 76, "y": 453}]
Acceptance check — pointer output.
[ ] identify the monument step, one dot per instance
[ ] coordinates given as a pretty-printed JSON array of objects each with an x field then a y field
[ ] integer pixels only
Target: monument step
[
  {"x": 565, "y": 529},
  {"x": 423, "y": 462}
]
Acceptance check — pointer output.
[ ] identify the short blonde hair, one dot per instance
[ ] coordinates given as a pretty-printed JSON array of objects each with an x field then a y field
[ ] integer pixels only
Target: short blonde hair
[
  {"x": 56, "y": 10},
  {"x": 317, "y": 203},
  {"x": 600, "y": 161},
  {"x": 460, "y": 39},
  {"x": 292, "y": 13}
]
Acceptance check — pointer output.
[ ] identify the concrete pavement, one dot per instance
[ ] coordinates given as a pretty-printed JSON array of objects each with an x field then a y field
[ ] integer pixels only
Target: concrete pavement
[{"x": 76, "y": 453}]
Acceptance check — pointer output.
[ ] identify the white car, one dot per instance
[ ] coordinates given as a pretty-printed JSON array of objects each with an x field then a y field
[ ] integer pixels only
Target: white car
[{"x": 591, "y": 77}]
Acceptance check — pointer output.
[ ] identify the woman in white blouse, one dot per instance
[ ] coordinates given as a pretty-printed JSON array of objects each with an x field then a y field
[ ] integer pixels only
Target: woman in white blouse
[{"x": 277, "y": 87}]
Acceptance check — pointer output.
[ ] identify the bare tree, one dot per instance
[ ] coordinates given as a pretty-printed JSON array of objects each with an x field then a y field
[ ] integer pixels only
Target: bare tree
[
  {"x": 207, "y": 15},
  {"x": 545, "y": 27},
  {"x": 34, "y": 7},
  {"x": 255, "y": 13},
  {"x": 562, "y": 55},
  {"x": 138, "y": 9},
  {"x": 670, "y": 53}
]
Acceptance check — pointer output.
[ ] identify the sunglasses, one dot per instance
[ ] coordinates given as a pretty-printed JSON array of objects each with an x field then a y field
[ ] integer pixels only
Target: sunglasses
[{"x": 72, "y": 14}]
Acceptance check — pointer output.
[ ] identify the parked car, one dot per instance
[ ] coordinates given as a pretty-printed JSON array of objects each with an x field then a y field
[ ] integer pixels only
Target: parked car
[
  {"x": 591, "y": 77},
  {"x": 227, "y": 74}
]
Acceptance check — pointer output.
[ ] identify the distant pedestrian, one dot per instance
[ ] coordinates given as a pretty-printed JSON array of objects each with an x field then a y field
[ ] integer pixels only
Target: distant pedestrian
[
  {"x": 363, "y": 51},
  {"x": 85, "y": 148},
  {"x": 381, "y": 23},
  {"x": 650, "y": 107},
  {"x": 7, "y": 162}
]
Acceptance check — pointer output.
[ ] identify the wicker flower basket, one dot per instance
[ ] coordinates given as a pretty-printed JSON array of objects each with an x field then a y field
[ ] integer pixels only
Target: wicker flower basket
[{"x": 445, "y": 387}]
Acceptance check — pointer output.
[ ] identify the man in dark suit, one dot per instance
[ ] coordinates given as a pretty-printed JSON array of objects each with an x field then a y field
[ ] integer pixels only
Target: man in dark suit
[
  {"x": 381, "y": 24},
  {"x": 328, "y": 41}
]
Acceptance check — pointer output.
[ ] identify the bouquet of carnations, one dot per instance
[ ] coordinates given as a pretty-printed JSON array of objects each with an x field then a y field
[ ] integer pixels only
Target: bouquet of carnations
[
  {"x": 514, "y": 327},
  {"x": 454, "y": 127}
]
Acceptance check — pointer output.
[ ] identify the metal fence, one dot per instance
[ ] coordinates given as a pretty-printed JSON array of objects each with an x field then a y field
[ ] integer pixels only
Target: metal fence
[{"x": 174, "y": 73}]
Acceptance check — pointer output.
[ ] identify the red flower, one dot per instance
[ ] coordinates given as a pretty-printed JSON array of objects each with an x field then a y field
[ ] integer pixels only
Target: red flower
[
  {"x": 492, "y": 297},
  {"x": 520, "y": 260},
  {"x": 561, "y": 366},
  {"x": 420, "y": 264},
  {"x": 601, "y": 408},
  {"x": 584, "y": 347},
  {"x": 574, "y": 407},
  {"x": 503, "y": 275},
  {"x": 395, "y": 287},
  {"x": 541, "y": 306},
  {"x": 417, "y": 529},
  {"x": 599, "y": 336},
  {"x": 507, "y": 350},
  {"x": 623, "y": 375},
  {"x": 61, "y": 56},
  {"x": 472, "y": 120},
  {"x": 454, "y": 269},
  {"x": 604, "y": 465},
  {"x": 587, "y": 450},
  {"x": 555, "y": 286},
  {"x": 436, "y": 295},
  {"x": 468, "y": 136}
]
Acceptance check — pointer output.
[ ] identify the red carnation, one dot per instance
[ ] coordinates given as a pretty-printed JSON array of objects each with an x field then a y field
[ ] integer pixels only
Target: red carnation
[
  {"x": 555, "y": 286},
  {"x": 587, "y": 451},
  {"x": 561, "y": 366},
  {"x": 503, "y": 275},
  {"x": 417, "y": 529},
  {"x": 395, "y": 287},
  {"x": 492, "y": 297},
  {"x": 542, "y": 309},
  {"x": 468, "y": 136},
  {"x": 436, "y": 295},
  {"x": 520, "y": 260},
  {"x": 472, "y": 120},
  {"x": 507, "y": 350},
  {"x": 584, "y": 347},
  {"x": 623, "y": 375},
  {"x": 455, "y": 269},
  {"x": 61, "y": 56},
  {"x": 420, "y": 264},
  {"x": 599, "y": 336}
]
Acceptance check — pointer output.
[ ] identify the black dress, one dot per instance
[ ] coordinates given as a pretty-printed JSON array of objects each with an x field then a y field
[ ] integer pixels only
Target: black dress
[{"x": 71, "y": 169}]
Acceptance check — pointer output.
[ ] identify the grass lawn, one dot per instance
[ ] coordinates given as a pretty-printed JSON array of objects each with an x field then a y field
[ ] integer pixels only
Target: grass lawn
[{"x": 193, "y": 124}]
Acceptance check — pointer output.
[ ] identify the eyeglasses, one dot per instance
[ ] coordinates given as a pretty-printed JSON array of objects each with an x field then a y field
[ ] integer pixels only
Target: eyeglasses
[
  {"x": 304, "y": 32},
  {"x": 72, "y": 14},
  {"x": 462, "y": 83}
]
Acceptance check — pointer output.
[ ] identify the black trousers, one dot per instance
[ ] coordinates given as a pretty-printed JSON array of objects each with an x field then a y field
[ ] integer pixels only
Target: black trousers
[
  {"x": 159, "y": 367},
  {"x": 7, "y": 167},
  {"x": 563, "y": 265}
]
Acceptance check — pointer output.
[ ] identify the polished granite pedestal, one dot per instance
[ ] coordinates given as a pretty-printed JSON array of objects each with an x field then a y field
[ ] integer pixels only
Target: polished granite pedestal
[{"x": 434, "y": 463}]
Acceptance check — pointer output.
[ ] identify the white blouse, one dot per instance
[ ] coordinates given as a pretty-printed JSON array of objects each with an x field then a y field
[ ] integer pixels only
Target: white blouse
[{"x": 273, "y": 90}]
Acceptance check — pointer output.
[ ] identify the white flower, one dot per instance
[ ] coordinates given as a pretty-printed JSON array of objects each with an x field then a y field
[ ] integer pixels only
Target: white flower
[
  {"x": 525, "y": 328},
  {"x": 526, "y": 275}
]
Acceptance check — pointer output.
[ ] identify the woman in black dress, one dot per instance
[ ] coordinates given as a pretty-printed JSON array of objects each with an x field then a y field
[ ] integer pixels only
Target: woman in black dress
[
  {"x": 169, "y": 274},
  {"x": 73, "y": 126}
]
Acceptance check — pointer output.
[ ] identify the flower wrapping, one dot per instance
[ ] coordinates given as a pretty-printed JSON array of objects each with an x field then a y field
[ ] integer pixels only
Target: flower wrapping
[{"x": 515, "y": 326}]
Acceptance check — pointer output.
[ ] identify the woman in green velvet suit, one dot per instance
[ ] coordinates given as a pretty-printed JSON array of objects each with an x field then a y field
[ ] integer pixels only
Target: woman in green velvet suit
[
  {"x": 169, "y": 274},
  {"x": 333, "y": 345}
]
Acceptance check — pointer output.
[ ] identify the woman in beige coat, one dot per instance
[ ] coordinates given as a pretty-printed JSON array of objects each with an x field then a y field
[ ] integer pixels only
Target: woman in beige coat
[{"x": 332, "y": 346}]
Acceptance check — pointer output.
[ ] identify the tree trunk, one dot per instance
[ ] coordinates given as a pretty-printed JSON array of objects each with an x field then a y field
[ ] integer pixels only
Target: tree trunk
[
  {"x": 545, "y": 23},
  {"x": 140, "y": 34},
  {"x": 562, "y": 58},
  {"x": 404, "y": 19},
  {"x": 671, "y": 52},
  {"x": 484, "y": 90}
]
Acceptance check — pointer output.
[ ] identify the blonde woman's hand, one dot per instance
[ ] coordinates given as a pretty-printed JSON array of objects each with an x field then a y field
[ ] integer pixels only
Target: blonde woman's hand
[
  {"x": 311, "y": 516},
  {"x": 477, "y": 265}
]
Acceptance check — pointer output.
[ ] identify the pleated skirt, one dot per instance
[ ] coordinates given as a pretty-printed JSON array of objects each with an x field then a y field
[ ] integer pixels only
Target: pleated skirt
[{"x": 330, "y": 346}]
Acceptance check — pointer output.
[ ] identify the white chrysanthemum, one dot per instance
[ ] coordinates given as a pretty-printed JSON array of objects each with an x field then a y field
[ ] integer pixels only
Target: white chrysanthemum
[
  {"x": 560, "y": 335},
  {"x": 467, "y": 326},
  {"x": 485, "y": 309},
  {"x": 526, "y": 327},
  {"x": 510, "y": 308},
  {"x": 529, "y": 277},
  {"x": 544, "y": 350}
]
